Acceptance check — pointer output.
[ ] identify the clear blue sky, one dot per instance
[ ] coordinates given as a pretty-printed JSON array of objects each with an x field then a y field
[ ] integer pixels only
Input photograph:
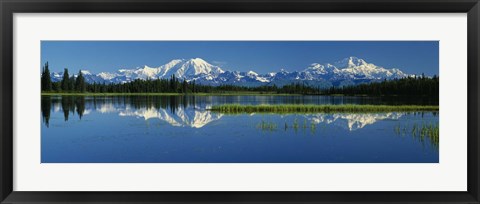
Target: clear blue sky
[{"x": 413, "y": 57}]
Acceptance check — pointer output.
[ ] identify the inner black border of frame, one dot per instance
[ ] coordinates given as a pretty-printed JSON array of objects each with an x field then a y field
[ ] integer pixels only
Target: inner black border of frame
[{"x": 9, "y": 7}]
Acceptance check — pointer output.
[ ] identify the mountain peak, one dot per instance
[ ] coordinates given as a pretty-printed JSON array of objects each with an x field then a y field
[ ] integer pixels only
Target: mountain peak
[
  {"x": 190, "y": 68},
  {"x": 350, "y": 70},
  {"x": 350, "y": 62},
  {"x": 198, "y": 61},
  {"x": 320, "y": 68},
  {"x": 176, "y": 61},
  {"x": 148, "y": 67},
  {"x": 199, "y": 64},
  {"x": 86, "y": 72}
]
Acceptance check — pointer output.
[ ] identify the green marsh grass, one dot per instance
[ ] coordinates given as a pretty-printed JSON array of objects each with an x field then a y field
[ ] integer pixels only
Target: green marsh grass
[
  {"x": 297, "y": 108},
  {"x": 422, "y": 132},
  {"x": 272, "y": 126},
  {"x": 246, "y": 93}
]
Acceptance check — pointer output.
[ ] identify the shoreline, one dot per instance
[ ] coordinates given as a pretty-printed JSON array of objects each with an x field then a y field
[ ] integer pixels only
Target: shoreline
[
  {"x": 300, "y": 108},
  {"x": 215, "y": 94},
  {"x": 168, "y": 94}
]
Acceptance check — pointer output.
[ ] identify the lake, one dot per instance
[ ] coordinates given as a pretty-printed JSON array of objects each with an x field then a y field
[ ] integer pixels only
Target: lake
[{"x": 182, "y": 129}]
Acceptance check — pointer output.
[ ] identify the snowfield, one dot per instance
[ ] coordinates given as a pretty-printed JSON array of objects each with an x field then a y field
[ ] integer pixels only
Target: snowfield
[{"x": 346, "y": 71}]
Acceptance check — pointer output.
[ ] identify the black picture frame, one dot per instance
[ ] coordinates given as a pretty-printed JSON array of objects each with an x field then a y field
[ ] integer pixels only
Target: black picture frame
[{"x": 10, "y": 7}]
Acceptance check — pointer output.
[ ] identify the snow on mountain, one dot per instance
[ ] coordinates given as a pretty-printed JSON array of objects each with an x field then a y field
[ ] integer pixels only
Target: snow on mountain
[
  {"x": 185, "y": 69},
  {"x": 320, "y": 69},
  {"x": 198, "y": 116},
  {"x": 107, "y": 76},
  {"x": 350, "y": 70},
  {"x": 352, "y": 121},
  {"x": 353, "y": 67},
  {"x": 350, "y": 62},
  {"x": 86, "y": 72},
  {"x": 194, "y": 67},
  {"x": 181, "y": 68},
  {"x": 188, "y": 117}
]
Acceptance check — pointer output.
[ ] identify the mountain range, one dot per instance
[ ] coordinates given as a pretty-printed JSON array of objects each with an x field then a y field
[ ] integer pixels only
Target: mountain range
[
  {"x": 199, "y": 116},
  {"x": 349, "y": 71}
]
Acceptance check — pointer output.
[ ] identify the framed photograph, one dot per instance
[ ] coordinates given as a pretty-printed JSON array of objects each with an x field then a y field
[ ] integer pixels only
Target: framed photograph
[{"x": 239, "y": 101}]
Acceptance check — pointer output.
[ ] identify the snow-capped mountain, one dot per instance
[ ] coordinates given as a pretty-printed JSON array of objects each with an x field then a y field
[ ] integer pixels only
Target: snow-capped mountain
[
  {"x": 183, "y": 117},
  {"x": 181, "y": 68},
  {"x": 351, "y": 70},
  {"x": 194, "y": 117},
  {"x": 199, "y": 116},
  {"x": 352, "y": 121}
]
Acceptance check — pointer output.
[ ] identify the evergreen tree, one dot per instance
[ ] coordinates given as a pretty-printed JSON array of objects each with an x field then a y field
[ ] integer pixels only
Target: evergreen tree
[
  {"x": 65, "y": 81},
  {"x": 184, "y": 86},
  {"x": 46, "y": 80},
  {"x": 80, "y": 83},
  {"x": 46, "y": 106},
  {"x": 193, "y": 87},
  {"x": 56, "y": 86},
  {"x": 71, "y": 85}
]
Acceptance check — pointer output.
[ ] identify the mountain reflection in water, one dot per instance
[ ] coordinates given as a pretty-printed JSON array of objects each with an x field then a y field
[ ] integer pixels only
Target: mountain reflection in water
[
  {"x": 181, "y": 129},
  {"x": 187, "y": 111}
]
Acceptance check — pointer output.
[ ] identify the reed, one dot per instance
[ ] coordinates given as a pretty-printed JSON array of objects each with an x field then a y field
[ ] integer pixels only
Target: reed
[
  {"x": 296, "y": 125},
  {"x": 271, "y": 126},
  {"x": 422, "y": 132},
  {"x": 297, "y": 108},
  {"x": 245, "y": 93}
]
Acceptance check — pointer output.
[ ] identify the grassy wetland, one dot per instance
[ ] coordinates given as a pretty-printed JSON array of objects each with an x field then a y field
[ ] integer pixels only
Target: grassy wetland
[
  {"x": 239, "y": 101},
  {"x": 178, "y": 128},
  {"x": 309, "y": 108},
  {"x": 225, "y": 93}
]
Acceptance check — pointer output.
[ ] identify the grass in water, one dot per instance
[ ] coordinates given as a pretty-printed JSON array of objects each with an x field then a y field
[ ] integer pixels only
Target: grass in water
[
  {"x": 167, "y": 94},
  {"x": 297, "y": 108},
  {"x": 272, "y": 126},
  {"x": 421, "y": 132}
]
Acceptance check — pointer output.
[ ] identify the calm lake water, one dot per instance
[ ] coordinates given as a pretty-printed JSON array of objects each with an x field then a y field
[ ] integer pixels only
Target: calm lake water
[{"x": 181, "y": 129}]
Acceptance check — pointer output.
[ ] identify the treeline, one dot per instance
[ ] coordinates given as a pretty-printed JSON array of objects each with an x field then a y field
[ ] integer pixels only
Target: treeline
[
  {"x": 67, "y": 84},
  {"x": 176, "y": 85},
  {"x": 171, "y": 85},
  {"x": 72, "y": 84},
  {"x": 416, "y": 86}
]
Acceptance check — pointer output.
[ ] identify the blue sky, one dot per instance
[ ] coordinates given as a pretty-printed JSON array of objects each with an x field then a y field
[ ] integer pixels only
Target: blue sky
[{"x": 413, "y": 57}]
